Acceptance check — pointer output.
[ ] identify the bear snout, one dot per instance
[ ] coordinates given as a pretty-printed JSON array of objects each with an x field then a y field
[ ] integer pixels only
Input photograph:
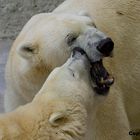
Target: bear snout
[{"x": 106, "y": 46}]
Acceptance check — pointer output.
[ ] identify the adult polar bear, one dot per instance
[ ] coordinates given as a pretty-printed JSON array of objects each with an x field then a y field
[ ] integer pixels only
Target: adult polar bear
[
  {"x": 57, "y": 112},
  {"x": 120, "y": 20}
]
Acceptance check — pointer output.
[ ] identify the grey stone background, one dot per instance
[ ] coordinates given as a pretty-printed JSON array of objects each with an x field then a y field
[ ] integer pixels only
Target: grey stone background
[
  {"x": 15, "y": 13},
  {"x": 13, "y": 16}
]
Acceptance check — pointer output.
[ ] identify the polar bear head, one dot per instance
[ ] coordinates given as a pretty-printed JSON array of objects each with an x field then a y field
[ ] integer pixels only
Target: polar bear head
[{"x": 49, "y": 38}]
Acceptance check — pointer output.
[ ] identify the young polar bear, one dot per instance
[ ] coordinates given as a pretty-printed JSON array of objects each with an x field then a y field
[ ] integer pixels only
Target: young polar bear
[
  {"x": 64, "y": 108},
  {"x": 44, "y": 47}
]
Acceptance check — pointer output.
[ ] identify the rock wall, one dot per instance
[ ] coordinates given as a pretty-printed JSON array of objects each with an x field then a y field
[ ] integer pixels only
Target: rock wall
[{"x": 15, "y": 13}]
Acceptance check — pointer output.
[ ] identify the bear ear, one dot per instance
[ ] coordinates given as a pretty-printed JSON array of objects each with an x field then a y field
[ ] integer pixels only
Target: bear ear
[
  {"x": 57, "y": 118},
  {"x": 87, "y": 15},
  {"x": 84, "y": 13},
  {"x": 27, "y": 50}
]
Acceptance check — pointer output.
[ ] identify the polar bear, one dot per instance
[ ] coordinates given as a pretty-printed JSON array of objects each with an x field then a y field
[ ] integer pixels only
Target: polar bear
[
  {"x": 119, "y": 20},
  {"x": 37, "y": 51},
  {"x": 64, "y": 108}
]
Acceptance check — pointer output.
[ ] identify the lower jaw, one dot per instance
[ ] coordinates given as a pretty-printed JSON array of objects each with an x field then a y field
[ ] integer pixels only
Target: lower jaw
[
  {"x": 100, "y": 78},
  {"x": 101, "y": 90}
]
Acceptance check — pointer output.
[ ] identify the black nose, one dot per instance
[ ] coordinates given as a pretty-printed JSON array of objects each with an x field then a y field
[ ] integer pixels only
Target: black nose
[{"x": 106, "y": 46}]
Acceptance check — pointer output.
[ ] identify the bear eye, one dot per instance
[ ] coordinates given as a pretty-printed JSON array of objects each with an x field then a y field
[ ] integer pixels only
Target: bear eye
[{"x": 71, "y": 38}]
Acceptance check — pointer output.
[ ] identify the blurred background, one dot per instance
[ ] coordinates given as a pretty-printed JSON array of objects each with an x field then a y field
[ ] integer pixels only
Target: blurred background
[{"x": 13, "y": 16}]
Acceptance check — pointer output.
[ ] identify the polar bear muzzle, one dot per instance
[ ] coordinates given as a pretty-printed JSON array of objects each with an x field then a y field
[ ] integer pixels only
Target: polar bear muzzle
[{"x": 96, "y": 45}]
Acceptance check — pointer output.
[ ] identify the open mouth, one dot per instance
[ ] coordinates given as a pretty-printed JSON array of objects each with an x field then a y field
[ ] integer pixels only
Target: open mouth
[
  {"x": 96, "y": 45},
  {"x": 102, "y": 79}
]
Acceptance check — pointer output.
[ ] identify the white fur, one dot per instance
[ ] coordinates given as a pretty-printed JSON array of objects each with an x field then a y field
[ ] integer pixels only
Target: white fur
[
  {"x": 60, "y": 110},
  {"x": 119, "y": 20}
]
